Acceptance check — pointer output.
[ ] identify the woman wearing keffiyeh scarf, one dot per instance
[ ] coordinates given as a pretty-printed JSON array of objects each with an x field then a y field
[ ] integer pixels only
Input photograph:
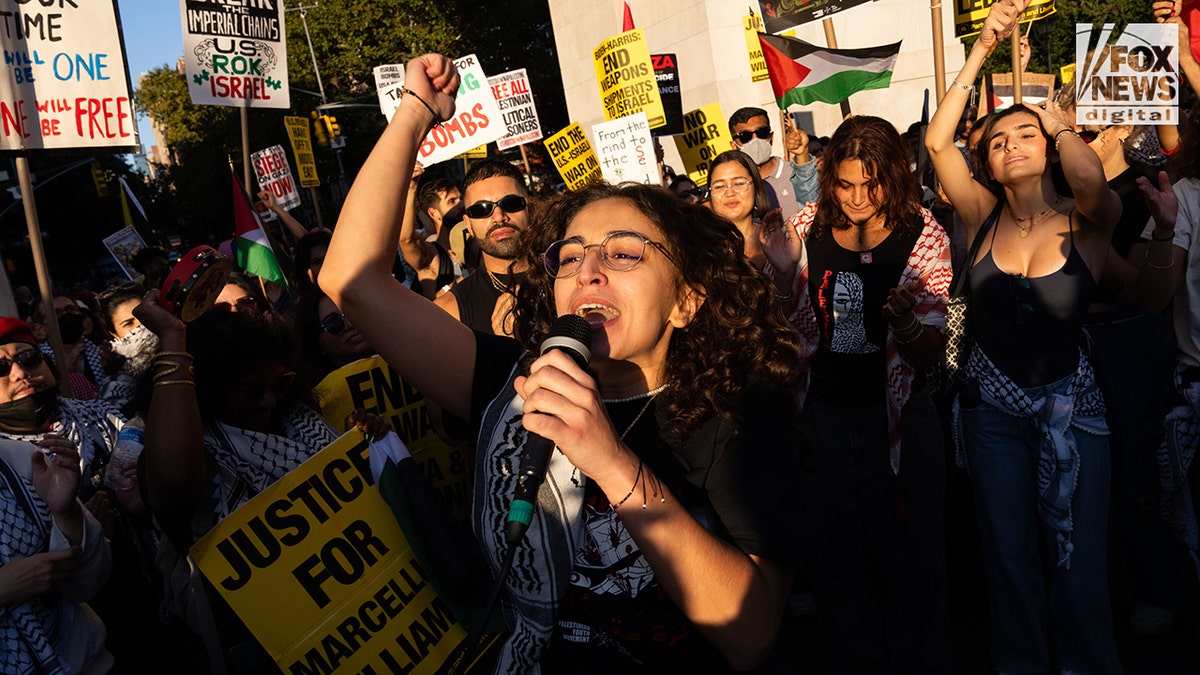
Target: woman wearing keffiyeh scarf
[
  {"x": 868, "y": 273},
  {"x": 1035, "y": 435}
]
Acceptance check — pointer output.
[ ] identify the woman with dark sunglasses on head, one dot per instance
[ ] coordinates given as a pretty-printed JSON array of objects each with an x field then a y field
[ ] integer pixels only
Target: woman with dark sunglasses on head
[
  {"x": 1035, "y": 436},
  {"x": 661, "y": 537}
]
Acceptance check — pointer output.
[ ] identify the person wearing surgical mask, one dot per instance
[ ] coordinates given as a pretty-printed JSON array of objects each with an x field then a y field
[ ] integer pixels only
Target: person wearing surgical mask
[{"x": 789, "y": 184}]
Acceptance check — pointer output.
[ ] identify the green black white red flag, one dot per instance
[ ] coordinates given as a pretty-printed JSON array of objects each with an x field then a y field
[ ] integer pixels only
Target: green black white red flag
[
  {"x": 251, "y": 246},
  {"x": 802, "y": 73}
]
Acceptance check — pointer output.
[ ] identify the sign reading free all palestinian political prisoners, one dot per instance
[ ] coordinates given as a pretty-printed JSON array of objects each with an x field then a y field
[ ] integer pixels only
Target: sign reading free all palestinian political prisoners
[
  {"x": 1131, "y": 80},
  {"x": 275, "y": 176},
  {"x": 626, "y": 78},
  {"x": 476, "y": 121},
  {"x": 65, "y": 83},
  {"x": 320, "y": 571},
  {"x": 515, "y": 100},
  {"x": 235, "y": 53}
]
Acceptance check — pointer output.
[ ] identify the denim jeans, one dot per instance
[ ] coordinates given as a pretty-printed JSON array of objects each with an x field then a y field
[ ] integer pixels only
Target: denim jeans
[
  {"x": 1034, "y": 603},
  {"x": 879, "y": 573}
]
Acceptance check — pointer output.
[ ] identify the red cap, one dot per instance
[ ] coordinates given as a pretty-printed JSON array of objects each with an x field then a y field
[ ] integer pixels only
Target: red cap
[{"x": 15, "y": 330}]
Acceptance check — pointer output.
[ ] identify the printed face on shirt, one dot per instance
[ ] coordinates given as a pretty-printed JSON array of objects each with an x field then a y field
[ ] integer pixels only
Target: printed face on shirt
[{"x": 21, "y": 382}]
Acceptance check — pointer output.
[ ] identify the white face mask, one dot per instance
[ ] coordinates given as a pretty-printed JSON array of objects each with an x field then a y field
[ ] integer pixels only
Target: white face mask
[
  {"x": 138, "y": 347},
  {"x": 759, "y": 150}
]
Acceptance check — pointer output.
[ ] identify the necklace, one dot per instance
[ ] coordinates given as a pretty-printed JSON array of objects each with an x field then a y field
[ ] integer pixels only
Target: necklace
[
  {"x": 1033, "y": 220},
  {"x": 652, "y": 393},
  {"x": 500, "y": 286}
]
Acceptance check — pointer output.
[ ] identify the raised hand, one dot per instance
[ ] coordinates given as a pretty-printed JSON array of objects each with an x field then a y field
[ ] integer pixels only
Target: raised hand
[
  {"x": 1002, "y": 19},
  {"x": 1161, "y": 200},
  {"x": 434, "y": 79}
]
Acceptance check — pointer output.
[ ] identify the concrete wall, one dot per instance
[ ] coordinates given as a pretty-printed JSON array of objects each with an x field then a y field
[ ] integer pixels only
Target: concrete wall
[{"x": 713, "y": 64}]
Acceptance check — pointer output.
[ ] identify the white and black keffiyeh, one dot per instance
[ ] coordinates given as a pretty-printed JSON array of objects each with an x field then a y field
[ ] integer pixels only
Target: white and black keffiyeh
[
  {"x": 250, "y": 461},
  {"x": 1082, "y": 407},
  {"x": 28, "y": 630},
  {"x": 91, "y": 425},
  {"x": 1175, "y": 457},
  {"x": 541, "y": 569}
]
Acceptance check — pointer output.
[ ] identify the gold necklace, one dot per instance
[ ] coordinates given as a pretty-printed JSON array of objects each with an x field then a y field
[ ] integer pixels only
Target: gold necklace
[
  {"x": 1033, "y": 220},
  {"x": 496, "y": 283}
]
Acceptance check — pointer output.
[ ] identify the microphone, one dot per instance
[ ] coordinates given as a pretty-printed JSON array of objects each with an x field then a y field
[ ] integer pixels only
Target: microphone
[{"x": 571, "y": 334}]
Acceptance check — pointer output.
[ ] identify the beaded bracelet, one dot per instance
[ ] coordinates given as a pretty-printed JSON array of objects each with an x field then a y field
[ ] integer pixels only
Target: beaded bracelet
[
  {"x": 636, "y": 479},
  {"x": 965, "y": 87},
  {"x": 1058, "y": 136}
]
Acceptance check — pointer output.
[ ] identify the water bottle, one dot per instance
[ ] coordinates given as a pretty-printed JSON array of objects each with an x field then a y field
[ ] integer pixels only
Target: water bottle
[{"x": 122, "y": 467}]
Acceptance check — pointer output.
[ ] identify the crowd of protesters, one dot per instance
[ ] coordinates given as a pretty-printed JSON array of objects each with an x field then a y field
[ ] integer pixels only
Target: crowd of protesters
[{"x": 767, "y": 425}]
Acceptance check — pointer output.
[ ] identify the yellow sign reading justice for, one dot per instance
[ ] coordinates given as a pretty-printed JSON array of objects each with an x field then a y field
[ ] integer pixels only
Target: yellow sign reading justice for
[{"x": 752, "y": 24}]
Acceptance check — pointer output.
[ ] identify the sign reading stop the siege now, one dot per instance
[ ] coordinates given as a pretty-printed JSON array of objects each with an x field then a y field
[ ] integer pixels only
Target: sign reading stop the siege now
[
  {"x": 63, "y": 77},
  {"x": 275, "y": 176}
]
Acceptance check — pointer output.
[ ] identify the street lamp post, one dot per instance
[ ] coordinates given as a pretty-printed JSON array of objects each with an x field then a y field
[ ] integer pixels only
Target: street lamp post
[{"x": 337, "y": 152}]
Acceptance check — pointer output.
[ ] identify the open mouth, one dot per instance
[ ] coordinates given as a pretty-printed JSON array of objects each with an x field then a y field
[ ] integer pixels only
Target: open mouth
[{"x": 597, "y": 314}]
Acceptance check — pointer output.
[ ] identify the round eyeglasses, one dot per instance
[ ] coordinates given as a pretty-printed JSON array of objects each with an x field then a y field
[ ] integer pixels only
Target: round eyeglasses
[
  {"x": 736, "y": 186},
  {"x": 619, "y": 251}
]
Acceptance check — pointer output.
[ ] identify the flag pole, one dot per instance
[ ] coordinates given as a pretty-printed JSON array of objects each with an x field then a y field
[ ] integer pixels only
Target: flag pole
[
  {"x": 831, "y": 42},
  {"x": 939, "y": 55},
  {"x": 525, "y": 159},
  {"x": 1015, "y": 45},
  {"x": 43, "y": 275},
  {"x": 246, "y": 149}
]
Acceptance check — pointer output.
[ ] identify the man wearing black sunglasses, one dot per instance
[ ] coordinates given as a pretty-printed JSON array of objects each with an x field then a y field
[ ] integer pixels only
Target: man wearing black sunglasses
[
  {"x": 786, "y": 183},
  {"x": 496, "y": 215}
]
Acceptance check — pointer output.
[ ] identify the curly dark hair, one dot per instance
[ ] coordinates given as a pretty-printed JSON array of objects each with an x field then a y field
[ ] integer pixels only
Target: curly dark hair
[
  {"x": 885, "y": 156},
  {"x": 761, "y": 203},
  {"x": 738, "y": 331}
]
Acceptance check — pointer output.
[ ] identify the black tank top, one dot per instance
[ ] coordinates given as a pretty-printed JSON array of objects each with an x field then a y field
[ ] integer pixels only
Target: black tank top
[
  {"x": 477, "y": 296},
  {"x": 1031, "y": 328}
]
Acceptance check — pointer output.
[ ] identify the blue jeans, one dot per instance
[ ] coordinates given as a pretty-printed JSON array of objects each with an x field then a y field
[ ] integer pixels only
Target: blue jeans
[{"x": 1033, "y": 602}]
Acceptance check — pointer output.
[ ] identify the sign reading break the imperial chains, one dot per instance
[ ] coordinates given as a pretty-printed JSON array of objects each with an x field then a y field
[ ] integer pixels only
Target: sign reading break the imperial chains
[
  {"x": 63, "y": 80},
  {"x": 236, "y": 52}
]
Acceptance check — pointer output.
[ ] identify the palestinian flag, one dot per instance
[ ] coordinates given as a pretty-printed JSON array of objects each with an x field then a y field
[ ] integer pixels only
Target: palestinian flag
[
  {"x": 252, "y": 248},
  {"x": 802, "y": 73}
]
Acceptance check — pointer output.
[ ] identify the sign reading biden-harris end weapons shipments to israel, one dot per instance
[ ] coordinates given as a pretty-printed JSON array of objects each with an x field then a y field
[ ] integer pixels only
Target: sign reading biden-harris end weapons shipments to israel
[
  {"x": 235, "y": 52},
  {"x": 64, "y": 83},
  {"x": 625, "y": 74},
  {"x": 319, "y": 570},
  {"x": 477, "y": 120},
  {"x": 1132, "y": 79}
]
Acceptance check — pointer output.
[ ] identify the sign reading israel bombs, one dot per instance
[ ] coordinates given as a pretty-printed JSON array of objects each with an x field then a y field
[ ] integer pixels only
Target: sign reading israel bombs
[
  {"x": 705, "y": 136},
  {"x": 235, "y": 53},
  {"x": 625, "y": 74},
  {"x": 319, "y": 570},
  {"x": 64, "y": 81}
]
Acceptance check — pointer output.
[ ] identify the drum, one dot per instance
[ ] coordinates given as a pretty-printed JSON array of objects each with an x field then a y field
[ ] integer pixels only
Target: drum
[{"x": 195, "y": 282}]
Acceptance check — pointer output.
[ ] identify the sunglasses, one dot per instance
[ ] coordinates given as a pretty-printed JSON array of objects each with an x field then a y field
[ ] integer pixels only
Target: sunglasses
[
  {"x": 745, "y": 136},
  {"x": 28, "y": 360},
  {"x": 243, "y": 304},
  {"x": 335, "y": 324},
  {"x": 619, "y": 251},
  {"x": 484, "y": 208}
]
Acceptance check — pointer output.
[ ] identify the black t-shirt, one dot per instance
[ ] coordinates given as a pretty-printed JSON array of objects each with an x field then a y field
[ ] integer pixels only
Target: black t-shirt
[
  {"x": 734, "y": 476},
  {"x": 847, "y": 289}
]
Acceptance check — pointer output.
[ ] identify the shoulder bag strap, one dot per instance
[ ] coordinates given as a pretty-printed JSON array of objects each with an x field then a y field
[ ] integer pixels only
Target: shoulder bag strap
[{"x": 978, "y": 242}]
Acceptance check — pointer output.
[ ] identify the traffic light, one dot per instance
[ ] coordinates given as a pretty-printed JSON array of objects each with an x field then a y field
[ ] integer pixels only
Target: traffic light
[
  {"x": 334, "y": 129},
  {"x": 100, "y": 180},
  {"x": 320, "y": 130}
]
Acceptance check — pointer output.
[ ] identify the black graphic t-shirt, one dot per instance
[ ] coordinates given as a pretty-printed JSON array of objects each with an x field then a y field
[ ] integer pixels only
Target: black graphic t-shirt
[{"x": 848, "y": 289}]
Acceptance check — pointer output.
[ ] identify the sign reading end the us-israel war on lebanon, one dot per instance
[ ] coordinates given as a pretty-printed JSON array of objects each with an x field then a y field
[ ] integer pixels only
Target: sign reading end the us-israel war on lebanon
[
  {"x": 573, "y": 157},
  {"x": 626, "y": 78},
  {"x": 64, "y": 81},
  {"x": 275, "y": 176},
  {"x": 319, "y": 570},
  {"x": 372, "y": 385},
  {"x": 626, "y": 150},
  {"x": 704, "y": 136},
  {"x": 1133, "y": 79},
  {"x": 476, "y": 120},
  {"x": 235, "y": 52},
  {"x": 515, "y": 100}
]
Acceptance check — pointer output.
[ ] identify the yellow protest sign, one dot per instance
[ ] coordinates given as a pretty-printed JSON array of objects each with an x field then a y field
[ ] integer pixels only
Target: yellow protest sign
[
  {"x": 479, "y": 152},
  {"x": 306, "y": 163},
  {"x": 1067, "y": 73},
  {"x": 752, "y": 24},
  {"x": 319, "y": 570},
  {"x": 626, "y": 78},
  {"x": 705, "y": 135},
  {"x": 970, "y": 14},
  {"x": 573, "y": 157},
  {"x": 372, "y": 385}
]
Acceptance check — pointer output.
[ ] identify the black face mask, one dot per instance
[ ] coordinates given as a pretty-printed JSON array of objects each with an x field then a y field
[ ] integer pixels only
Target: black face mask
[{"x": 27, "y": 415}]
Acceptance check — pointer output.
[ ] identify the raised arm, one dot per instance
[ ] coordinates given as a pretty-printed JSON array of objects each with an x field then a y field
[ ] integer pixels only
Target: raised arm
[
  {"x": 971, "y": 199},
  {"x": 1082, "y": 167},
  {"x": 430, "y": 349},
  {"x": 1164, "y": 264},
  {"x": 293, "y": 226}
]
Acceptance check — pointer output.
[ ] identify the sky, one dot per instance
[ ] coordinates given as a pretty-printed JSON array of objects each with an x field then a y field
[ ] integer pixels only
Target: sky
[{"x": 153, "y": 38}]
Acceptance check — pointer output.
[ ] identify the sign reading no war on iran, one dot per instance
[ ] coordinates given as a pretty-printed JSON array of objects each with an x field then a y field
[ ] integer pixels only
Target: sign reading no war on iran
[
  {"x": 319, "y": 570},
  {"x": 704, "y": 137},
  {"x": 63, "y": 82},
  {"x": 625, "y": 74},
  {"x": 476, "y": 121},
  {"x": 235, "y": 53}
]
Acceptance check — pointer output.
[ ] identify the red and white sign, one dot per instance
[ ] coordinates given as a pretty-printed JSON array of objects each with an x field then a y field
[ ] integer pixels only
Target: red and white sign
[
  {"x": 275, "y": 175},
  {"x": 477, "y": 118},
  {"x": 518, "y": 113},
  {"x": 63, "y": 80}
]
